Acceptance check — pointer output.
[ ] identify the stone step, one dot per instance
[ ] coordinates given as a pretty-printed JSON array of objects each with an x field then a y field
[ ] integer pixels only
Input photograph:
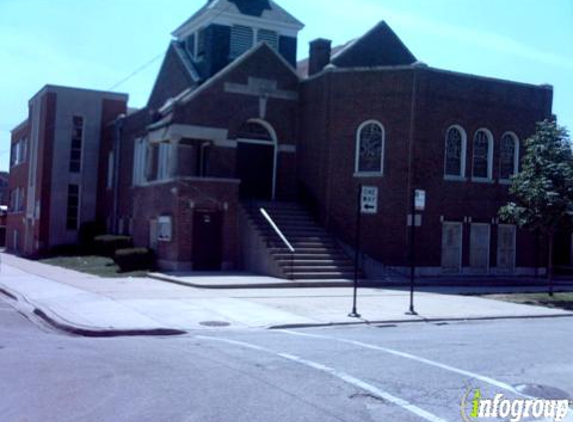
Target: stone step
[
  {"x": 337, "y": 256},
  {"x": 320, "y": 276},
  {"x": 316, "y": 250},
  {"x": 319, "y": 270},
  {"x": 315, "y": 262}
]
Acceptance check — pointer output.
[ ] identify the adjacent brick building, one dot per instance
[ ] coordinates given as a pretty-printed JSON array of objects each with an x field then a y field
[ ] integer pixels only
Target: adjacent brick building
[
  {"x": 233, "y": 119},
  {"x": 54, "y": 166}
]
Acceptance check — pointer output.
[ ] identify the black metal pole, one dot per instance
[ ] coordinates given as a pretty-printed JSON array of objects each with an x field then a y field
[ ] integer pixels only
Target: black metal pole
[
  {"x": 413, "y": 254},
  {"x": 354, "y": 313}
]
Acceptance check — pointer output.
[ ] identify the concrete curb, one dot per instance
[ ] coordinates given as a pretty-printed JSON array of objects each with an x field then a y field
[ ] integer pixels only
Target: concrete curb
[
  {"x": 61, "y": 324},
  {"x": 415, "y": 321},
  {"x": 278, "y": 285},
  {"x": 295, "y": 284}
]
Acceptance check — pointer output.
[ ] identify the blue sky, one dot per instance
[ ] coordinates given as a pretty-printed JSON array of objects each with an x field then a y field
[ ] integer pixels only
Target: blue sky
[{"x": 96, "y": 44}]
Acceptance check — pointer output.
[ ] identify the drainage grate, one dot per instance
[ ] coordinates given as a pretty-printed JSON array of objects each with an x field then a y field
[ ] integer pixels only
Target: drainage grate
[{"x": 216, "y": 324}]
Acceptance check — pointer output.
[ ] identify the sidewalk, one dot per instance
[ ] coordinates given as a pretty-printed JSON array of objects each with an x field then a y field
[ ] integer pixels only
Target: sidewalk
[{"x": 89, "y": 305}]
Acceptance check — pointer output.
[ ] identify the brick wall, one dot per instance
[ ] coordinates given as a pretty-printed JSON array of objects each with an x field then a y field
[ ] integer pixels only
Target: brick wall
[
  {"x": 179, "y": 200},
  {"x": 335, "y": 104}
]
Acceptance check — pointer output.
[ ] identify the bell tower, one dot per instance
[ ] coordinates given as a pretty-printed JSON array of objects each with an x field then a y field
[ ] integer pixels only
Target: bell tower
[{"x": 223, "y": 30}]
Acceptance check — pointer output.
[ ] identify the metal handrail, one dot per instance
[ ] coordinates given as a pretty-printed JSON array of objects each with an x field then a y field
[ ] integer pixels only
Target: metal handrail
[
  {"x": 277, "y": 230},
  {"x": 282, "y": 237}
]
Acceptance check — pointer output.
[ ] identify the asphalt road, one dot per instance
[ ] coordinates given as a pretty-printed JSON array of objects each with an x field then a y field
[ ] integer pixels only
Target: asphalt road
[{"x": 411, "y": 372}]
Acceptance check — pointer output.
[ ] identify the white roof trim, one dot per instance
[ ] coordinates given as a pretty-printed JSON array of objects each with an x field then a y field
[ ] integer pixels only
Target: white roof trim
[
  {"x": 229, "y": 14},
  {"x": 186, "y": 62}
]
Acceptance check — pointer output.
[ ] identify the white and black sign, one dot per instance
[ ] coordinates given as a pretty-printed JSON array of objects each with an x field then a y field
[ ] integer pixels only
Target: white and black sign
[
  {"x": 369, "y": 200},
  {"x": 420, "y": 200}
]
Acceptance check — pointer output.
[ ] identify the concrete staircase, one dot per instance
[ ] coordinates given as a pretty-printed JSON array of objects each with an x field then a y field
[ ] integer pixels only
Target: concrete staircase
[{"x": 317, "y": 254}]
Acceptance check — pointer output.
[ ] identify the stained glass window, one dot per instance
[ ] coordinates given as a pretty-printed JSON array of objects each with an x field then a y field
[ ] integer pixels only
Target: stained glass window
[
  {"x": 507, "y": 156},
  {"x": 455, "y": 152},
  {"x": 482, "y": 155},
  {"x": 370, "y": 149}
]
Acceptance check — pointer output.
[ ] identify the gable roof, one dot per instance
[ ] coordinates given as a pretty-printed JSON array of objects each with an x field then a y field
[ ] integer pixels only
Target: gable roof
[
  {"x": 380, "y": 46},
  {"x": 192, "y": 92},
  {"x": 229, "y": 9},
  {"x": 176, "y": 73}
]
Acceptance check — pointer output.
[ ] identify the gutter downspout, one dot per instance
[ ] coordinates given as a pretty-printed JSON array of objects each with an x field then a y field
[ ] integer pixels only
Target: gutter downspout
[{"x": 119, "y": 124}]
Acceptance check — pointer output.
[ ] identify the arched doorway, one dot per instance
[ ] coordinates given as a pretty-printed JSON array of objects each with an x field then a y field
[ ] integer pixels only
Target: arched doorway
[{"x": 257, "y": 160}]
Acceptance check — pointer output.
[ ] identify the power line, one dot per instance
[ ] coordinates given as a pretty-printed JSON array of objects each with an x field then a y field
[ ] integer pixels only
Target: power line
[
  {"x": 146, "y": 65},
  {"x": 135, "y": 72}
]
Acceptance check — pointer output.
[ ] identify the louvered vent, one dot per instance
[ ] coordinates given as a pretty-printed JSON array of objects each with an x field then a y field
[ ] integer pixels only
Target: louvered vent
[
  {"x": 270, "y": 37},
  {"x": 241, "y": 40}
]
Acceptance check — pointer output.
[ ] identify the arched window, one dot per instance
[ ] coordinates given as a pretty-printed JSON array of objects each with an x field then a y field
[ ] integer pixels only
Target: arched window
[
  {"x": 483, "y": 155},
  {"x": 508, "y": 156},
  {"x": 455, "y": 157},
  {"x": 370, "y": 148}
]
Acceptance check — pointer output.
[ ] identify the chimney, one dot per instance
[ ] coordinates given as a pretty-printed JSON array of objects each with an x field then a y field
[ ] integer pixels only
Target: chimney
[{"x": 319, "y": 56}]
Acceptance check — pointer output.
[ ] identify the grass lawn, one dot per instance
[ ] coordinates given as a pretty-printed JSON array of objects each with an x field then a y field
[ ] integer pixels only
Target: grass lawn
[
  {"x": 559, "y": 300},
  {"x": 96, "y": 265}
]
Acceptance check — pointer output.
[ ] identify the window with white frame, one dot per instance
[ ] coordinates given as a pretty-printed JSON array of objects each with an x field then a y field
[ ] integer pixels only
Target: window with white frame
[
  {"x": 164, "y": 160},
  {"x": 76, "y": 144},
  {"x": 18, "y": 152},
  {"x": 242, "y": 39},
  {"x": 483, "y": 155},
  {"x": 508, "y": 156},
  {"x": 164, "y": 229},
  {"x": 455, "y": 156},
  {"x": 370, "y": 149},
  {"x": 140, "y": 151}
]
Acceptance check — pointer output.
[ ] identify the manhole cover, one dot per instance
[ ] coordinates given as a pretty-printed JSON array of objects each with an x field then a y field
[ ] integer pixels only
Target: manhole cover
[
  {"x": 543, "y": 392},
  {"x": 214, "y": 324}
]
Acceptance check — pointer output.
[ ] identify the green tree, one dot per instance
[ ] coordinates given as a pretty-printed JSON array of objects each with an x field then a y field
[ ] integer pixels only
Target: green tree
[{"x": 542, "y": 192}]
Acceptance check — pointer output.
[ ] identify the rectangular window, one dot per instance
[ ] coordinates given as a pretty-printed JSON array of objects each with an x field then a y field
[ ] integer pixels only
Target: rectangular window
[
  {"x": 164, "y": 161},
  {"x": 139, "y": 162},
  {"x": 76, "y": 144},
  {"x": 164, "y": 229},
  {"x": 241, "y": 40},
  {"x": 73, "y": 207},
  {"x": 18, "y": 152},
  {"x": 270, "y": 37}
]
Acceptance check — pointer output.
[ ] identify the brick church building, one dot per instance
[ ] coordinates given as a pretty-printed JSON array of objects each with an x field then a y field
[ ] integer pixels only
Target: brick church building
[{"x": 234, "y": 124}]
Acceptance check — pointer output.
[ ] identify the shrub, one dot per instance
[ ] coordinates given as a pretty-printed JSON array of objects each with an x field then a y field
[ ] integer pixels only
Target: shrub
[
  {"x": 87, "y": 233},
  {"x": 66, "y": 250},
  {"x": 108, "y": 244},
  {"x": 134, "y": 259}
]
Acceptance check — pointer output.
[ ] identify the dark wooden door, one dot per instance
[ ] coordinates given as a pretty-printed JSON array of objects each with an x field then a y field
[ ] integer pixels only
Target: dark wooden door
[
  {"x": 255, "y": 167},
  {"x": 207, "y": 240}
]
